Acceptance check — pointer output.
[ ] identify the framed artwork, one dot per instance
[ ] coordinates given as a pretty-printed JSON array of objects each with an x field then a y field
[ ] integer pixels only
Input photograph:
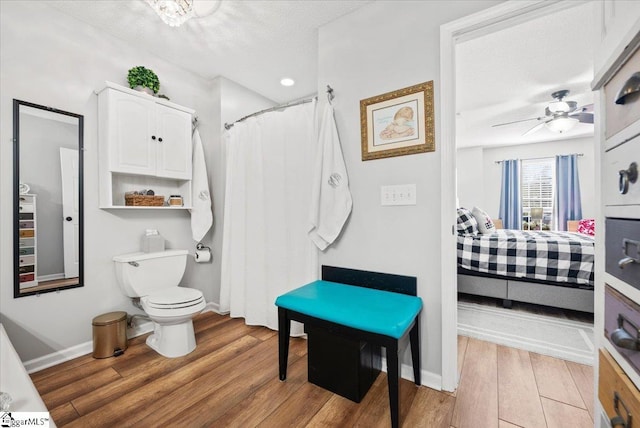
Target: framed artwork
[{"x": 398, "y": 123}]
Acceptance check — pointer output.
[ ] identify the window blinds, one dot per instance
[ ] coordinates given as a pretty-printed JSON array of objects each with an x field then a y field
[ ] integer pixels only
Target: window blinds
[{"x": 537, "y": 178}]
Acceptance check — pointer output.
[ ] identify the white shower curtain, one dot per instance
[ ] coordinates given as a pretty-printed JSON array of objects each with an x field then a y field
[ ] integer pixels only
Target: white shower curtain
[{"x": 265, "y": 249}]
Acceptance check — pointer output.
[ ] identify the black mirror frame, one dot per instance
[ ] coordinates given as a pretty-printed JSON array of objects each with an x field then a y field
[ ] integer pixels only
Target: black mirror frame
[{"x": 16, "y": 195}]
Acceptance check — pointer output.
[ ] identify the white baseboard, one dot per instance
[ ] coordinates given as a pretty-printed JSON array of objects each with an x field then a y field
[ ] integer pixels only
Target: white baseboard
[
  {"x": 58, "y": 357},
  {"x": 428, "y": 379},
  {"x": 76, "y": 351},
  {"x": 214, "y": 307}
]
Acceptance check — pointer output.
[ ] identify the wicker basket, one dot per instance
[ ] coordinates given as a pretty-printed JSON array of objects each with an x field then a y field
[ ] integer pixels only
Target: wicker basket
[{"x": 143, "y": 200}]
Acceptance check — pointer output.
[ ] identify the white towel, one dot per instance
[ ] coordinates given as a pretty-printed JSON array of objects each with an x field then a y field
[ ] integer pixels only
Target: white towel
[
  {"x": 201, "y": 214},
  {"x": 330, "y": 196}
]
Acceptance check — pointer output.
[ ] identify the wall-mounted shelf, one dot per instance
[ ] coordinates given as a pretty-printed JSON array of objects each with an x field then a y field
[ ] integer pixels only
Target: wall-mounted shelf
[
  {"x": 144, "y": 144},
  {"x": 163, "y": 208}
]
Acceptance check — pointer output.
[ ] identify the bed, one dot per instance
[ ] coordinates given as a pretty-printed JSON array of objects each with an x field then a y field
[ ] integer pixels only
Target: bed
[{"x": 542, "y": 267}]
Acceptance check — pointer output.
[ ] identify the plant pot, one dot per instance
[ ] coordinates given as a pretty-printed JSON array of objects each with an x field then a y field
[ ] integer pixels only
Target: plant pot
[{"x": 144, "y": 89}]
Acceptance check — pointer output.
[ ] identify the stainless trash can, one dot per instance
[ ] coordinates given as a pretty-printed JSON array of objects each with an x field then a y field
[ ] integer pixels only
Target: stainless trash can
[{"x": 109, "y": 334}]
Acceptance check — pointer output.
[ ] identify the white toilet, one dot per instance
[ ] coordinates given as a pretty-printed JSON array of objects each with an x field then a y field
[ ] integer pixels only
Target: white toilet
[{"x": 154, "y": 278}]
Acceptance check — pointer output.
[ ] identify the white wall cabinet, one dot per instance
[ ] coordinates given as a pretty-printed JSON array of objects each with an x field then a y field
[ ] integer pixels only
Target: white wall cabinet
[{"x": 144, "y": 143}]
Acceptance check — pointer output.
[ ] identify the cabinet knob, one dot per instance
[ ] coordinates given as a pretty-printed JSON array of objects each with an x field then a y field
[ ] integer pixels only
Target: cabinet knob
[
  {"x": 627, "y": 176},
  {"x": 160, "y": 139},
  {"x": 68, "y": 218},
  {"x": 153, "y": 137}
]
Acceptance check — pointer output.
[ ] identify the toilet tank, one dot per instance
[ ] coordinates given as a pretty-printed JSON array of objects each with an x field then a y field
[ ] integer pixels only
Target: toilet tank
[{"x": 140, "y": 274}]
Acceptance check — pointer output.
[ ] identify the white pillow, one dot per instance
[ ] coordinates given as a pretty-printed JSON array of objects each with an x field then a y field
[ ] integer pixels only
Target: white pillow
[{"x": 485, "y": 224}]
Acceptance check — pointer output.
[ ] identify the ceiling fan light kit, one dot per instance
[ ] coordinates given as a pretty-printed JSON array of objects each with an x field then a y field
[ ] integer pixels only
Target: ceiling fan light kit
[
  {"x": 559, "y": 115},
  {"x": 561, "y": 124}
]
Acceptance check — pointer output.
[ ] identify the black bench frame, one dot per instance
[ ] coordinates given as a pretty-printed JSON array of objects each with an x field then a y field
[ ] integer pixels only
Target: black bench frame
[{"x": 396, "y": 283}]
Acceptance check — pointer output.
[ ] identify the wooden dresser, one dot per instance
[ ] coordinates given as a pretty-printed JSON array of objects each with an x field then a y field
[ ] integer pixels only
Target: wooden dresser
[{"x": 617, "y": 83}]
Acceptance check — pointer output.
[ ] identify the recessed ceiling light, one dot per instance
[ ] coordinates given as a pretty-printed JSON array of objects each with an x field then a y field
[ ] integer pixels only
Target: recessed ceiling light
[{"x": 287, "y": 82}]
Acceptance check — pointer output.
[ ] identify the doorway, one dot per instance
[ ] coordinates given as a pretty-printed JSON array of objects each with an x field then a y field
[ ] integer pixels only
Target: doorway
[{"x": 492, "y": 20}]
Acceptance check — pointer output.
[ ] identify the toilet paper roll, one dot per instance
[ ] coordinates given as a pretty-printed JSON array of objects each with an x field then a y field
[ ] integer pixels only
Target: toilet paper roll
[{"x": 203, "y": 256}]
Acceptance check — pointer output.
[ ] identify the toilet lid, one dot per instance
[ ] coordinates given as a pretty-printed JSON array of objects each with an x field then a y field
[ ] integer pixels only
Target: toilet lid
[{"x": 175, "y": 297}]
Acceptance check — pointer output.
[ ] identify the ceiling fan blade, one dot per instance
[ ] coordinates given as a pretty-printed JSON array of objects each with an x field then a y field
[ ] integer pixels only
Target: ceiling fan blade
[
  {"x": 585, "y": 117},
  {"x": 536, "y": 128},
  {"x": 517, "y": 121},
  {"x": 584, "y": 114}
]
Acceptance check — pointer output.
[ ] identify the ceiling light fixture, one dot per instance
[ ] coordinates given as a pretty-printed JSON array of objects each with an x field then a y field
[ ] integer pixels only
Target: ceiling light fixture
[
  {"x": 175, "y": 12},
  {"x": 287, "y": 81},
  {"x": 561, "y": 123}
]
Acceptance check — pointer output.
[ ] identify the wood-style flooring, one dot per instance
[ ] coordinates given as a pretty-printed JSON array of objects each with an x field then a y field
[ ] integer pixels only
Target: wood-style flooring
[{"x": 231, "y": 380}]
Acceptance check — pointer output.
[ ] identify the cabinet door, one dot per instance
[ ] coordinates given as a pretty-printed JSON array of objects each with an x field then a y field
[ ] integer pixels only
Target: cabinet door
[
  {"x": 131, "y": 134},
  {"x": 174, "y": 143}
]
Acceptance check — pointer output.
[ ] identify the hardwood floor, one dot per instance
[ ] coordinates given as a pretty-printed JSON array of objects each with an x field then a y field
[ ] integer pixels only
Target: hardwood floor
[{"x": 231, "y": 380}]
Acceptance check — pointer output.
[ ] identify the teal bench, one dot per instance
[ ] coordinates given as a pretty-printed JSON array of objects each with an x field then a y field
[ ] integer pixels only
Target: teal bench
[{"x": 374, "y": 315}]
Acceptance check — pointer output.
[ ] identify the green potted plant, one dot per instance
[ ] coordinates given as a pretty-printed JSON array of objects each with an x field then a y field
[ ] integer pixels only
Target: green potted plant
[{"x": 143, "y": 79}]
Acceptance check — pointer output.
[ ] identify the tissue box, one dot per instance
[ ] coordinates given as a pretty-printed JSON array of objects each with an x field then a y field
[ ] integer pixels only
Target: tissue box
[{"x": 152, "y": 243}]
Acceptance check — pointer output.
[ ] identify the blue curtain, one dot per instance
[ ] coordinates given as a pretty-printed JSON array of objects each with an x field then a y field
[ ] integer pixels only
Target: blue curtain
[
  {"x": 567, "y": 204},
  {"x": 510, "y": 202}
]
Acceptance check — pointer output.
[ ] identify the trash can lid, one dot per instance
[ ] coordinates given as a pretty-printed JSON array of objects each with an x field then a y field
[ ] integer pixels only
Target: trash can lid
[{"x": 110, "y": 318}]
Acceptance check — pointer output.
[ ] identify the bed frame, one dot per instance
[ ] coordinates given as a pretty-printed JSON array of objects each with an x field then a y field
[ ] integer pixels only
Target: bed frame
[{"x": 554, "y": 294}]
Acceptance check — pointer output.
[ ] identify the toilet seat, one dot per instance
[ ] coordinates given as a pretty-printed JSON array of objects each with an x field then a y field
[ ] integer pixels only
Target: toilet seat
[
  {"x": 175, "y": 298},
  {"x": 173, "y": 302}
]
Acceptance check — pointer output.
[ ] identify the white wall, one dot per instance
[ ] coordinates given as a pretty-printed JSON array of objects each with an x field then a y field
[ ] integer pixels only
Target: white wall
[
  {"x": 470, "y": 177},
  {"x": 380, "y": 48},
  {"x": 51, "y": 59},
  {"x": 492, "y": 172}
]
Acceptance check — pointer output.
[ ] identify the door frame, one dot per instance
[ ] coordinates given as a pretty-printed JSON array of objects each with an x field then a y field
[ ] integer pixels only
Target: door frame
[
  {"x": 493, "y": 19},
  {"x": 69, "y": 171}
]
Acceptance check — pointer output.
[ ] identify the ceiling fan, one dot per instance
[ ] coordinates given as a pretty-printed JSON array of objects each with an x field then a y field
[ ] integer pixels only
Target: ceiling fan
[{"x": 559, "y": 115}]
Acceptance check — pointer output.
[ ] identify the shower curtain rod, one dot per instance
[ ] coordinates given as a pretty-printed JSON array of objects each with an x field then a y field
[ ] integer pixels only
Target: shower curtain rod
[
  {"x": 545, "y": 157},
  {"x": 330, "y": 97}
]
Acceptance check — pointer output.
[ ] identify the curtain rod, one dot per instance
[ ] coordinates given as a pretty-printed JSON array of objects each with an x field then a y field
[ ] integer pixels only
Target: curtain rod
[
  {"x": 545, "y": 157},
  {"x": 330, "y": 97}
]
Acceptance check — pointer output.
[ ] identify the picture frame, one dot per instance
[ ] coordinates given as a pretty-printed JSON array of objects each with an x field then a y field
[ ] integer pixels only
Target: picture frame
[{"x": 398, "y": 123}]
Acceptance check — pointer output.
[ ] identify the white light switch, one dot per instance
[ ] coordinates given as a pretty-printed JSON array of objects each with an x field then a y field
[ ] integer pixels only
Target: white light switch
[{"x": 402, "y": 194}]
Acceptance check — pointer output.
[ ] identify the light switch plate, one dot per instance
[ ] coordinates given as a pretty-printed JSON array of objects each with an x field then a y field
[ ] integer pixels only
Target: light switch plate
[{"x": 401, "y": 194}]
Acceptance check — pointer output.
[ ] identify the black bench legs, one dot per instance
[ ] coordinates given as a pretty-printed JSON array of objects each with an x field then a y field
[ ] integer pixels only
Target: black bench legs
[
  {"x": 390, "y": 344},
  {"x": 284, "y": 331},
  {"x": 393, "y": 369}
]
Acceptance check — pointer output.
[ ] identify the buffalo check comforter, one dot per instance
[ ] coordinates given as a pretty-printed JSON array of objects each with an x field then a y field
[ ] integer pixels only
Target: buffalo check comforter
[{"x": 563, "y": 257}]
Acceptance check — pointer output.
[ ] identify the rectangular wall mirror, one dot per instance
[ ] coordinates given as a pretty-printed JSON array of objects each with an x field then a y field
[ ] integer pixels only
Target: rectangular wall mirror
[{"x": 47, "y": 199}]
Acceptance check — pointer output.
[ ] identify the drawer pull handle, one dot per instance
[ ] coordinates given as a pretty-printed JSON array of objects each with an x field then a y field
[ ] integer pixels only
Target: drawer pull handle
[
  {"x": 629, "y": 256},
  {"x": 631, "y": 86},
  {"x": 622, "y": 338},
  {"x": 627, "y": 176},
  {"x": 618, "y": 420}
]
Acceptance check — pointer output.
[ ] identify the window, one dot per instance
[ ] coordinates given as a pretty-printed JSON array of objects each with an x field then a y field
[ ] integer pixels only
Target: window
[{"x": 537, "y": 189}]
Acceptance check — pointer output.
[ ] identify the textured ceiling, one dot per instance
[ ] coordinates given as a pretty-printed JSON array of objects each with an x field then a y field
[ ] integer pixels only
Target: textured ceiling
[
  {"x": 509, "y": 75},
  {"x": 252, "y": 42},
  {"x": 503, "y": 76}
]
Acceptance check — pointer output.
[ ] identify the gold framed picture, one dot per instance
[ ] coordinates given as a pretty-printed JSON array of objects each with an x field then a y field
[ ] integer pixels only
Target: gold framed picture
[{"x": 398, "y": 123}]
